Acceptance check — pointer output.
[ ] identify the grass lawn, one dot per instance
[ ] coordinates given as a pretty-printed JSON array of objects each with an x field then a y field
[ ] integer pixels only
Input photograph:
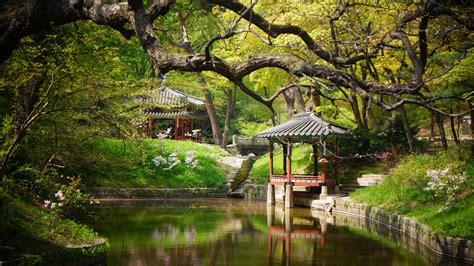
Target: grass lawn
[
  {"x": 119, "y": 163},
  {"x": 404, "y": 192}
]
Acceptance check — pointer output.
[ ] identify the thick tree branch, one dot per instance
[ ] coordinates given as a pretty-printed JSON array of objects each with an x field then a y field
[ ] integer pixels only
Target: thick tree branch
[{"x": 274, "y": 30}]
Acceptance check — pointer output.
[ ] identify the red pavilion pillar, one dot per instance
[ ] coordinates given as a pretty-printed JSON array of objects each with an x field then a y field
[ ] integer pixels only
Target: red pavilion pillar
[
  {"x": 271, "y": 187},
  {"x": 176, "y": 128}
]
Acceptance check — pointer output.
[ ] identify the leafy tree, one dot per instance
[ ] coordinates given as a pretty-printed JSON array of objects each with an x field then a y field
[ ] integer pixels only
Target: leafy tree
[
  {"x": 63, "y": 89},
  {"x": 380, "y": 53}
]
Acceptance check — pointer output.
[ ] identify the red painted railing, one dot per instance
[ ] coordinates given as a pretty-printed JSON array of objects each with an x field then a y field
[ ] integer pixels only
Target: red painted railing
[{"x": 298, "y": 180}]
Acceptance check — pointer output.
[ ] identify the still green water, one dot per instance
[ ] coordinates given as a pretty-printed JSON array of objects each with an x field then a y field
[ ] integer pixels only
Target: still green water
[{"x": 233, "y": 232}]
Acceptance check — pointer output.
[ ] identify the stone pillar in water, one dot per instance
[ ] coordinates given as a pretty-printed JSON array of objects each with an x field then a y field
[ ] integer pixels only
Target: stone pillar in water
[
  {"x": 324, "y": 192},
  {"x": 270, "y": 195},
  {"x": 289, "y": 196}
]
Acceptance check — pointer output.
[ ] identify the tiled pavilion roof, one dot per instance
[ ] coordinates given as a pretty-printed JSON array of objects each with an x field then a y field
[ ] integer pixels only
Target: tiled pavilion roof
[
  {"x": 166, "y": 96},
  {"x": 303, "y": 126},
  {"x": 165, "y": 102}
]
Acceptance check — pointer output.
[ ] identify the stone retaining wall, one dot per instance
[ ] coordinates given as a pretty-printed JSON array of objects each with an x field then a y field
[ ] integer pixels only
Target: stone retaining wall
[
  {"x": 137, "y": 193},
  {"x": 254, "y": 191},
  {"x": 413, "y": 235}
]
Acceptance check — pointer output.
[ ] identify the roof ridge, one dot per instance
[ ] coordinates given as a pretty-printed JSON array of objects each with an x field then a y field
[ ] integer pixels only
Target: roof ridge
[{"x": 306, "y": 124}]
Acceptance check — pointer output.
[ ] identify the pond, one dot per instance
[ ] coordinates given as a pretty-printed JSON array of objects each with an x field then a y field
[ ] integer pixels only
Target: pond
[{"x": 234, "y": 232}]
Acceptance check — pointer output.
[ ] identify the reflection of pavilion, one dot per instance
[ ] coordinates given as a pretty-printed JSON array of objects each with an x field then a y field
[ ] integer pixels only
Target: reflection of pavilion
[
  {"x": 310, "y": 129},
  {"x": 294, "y": 226}
]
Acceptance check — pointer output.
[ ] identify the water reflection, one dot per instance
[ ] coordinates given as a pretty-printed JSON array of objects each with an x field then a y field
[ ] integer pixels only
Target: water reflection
[
  {"x": 295, "y": 226},
  {"x": 229, "y": 232}
]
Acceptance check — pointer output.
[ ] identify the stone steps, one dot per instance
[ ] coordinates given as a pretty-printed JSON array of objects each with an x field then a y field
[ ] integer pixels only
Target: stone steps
[
  {"x": 367, "y": 180},
  {"x": 238, "y": 169},
  {"x": 349, "y": 187}
]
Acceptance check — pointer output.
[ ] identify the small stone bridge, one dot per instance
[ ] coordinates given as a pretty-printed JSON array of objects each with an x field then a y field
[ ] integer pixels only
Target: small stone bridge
[{"x": 245, "y": 146}]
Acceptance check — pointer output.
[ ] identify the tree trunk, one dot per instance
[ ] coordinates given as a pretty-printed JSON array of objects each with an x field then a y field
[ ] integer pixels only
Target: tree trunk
[
  {"x": 290, "y": 103},
  {"x": 230, "y": 108},
  {"x": 299, "y": 100},
  {"x": 442, "y": 133},
  {"x": 453, "y": 129},
  {"x": 211, "y": 110},
  {"x": 432, "y": 127},
  {"x": 316, "y": 100},
  {"x": 356, "y": 112},
  {"x": 407, "y": 129},
  {"x": 365, "y": 107}
]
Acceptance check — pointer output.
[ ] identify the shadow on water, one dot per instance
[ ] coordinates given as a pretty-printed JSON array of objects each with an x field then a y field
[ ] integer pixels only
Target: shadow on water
[{"x": 235, "y": 232}]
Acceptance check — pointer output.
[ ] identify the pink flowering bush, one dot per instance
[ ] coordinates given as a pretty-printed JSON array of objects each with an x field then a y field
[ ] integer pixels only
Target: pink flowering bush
[{"x": 67, "y": 196}]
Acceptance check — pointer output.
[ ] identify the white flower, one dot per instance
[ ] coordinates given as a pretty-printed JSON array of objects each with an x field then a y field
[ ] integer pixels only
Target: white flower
[
  {"x": 59, "y": 195},
  {"x": 46, "y": 203},
  {"x": 158, "y": 160}
]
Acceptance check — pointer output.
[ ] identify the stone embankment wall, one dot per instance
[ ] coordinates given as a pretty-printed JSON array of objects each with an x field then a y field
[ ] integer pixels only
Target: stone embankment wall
[
  {"x": 414, "y": 235},
  {"x": 254, "y": 191},
  {"x": 136, "y": 193}
]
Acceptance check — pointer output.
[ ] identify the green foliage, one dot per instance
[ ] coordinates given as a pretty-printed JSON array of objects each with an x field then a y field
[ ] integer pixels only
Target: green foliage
[
  {"x": 391, "y": 137},
  {"x": 122, "y": 163},
  {"x": 30, "y": 229},
  {"x": 404, "y": 192},
  {"x": 250, "y": 129}
]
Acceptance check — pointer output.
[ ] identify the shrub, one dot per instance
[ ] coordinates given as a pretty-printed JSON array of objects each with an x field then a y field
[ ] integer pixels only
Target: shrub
[
  {"x": 446, "y": 184},
  {"x": 423, "y": 185}
]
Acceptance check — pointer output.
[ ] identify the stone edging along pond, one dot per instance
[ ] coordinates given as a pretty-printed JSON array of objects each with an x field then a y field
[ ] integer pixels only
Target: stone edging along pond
[
  {"x": 454, "y": 247},
  {"x": 137, "y": 193}
]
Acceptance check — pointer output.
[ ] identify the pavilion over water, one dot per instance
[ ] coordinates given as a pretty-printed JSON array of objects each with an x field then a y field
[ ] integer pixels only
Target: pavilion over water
[{"x": 305, "y": 128}]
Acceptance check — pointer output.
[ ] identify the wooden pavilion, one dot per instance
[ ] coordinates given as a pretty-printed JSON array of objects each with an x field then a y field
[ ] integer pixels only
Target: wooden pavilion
[
  {"x": 188, "y": 112},
  {"x": 323, "y": 136}
]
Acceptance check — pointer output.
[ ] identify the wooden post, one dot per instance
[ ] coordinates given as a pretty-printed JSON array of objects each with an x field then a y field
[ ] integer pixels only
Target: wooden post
[
  {"x": 271, "y": 158},
  {"x": 182, "y": 128},
  {"x": 202, "y": 130},
  {"x": 289, "y": 185},
  {"x": 151, "y": 126},
  {"x": 289, "y": 147},
  {"x": 315, "y": 157},
  {"x": 176, "y": 128},
  {"x": 324, "y": 188},
  {"x": 284, "y": 146}
]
